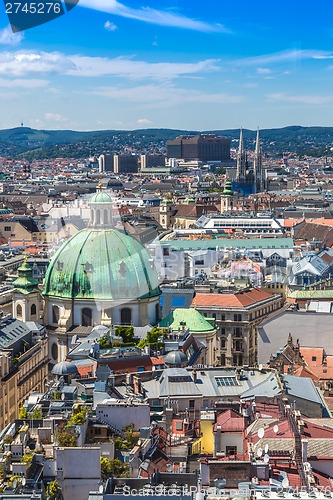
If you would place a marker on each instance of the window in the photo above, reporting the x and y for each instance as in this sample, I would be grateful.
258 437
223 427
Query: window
223 343
199 262
126 316
223 331
33 310
237 345
225 381
8 228
222 317
55 314
223 360
179 426
238 331
314 358
237 317
19 311
86 317
191 403
166 251
231 450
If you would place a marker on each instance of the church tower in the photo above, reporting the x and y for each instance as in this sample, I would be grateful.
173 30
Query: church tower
166 213
241 160
227 198
26 296
257 166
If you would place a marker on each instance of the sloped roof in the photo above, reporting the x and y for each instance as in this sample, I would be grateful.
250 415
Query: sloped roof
195 321
241 299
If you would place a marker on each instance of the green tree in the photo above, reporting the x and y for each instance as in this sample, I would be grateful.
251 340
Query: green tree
23 413
53 490
79 417
114 467
126 333
27 458
36 414
67 437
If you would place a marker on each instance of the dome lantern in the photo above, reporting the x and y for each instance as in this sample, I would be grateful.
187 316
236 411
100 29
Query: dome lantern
100 209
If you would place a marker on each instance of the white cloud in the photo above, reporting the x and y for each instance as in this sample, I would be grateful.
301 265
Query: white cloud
110 26
7 37
22 63
301 99
152 16
32 83
165 95
128 67
285 56
144 121
56 117
263 71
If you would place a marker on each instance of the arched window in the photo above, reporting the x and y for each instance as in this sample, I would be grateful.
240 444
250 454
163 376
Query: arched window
86 317
106 216
33 310
98 217
55 314
126 316
19 311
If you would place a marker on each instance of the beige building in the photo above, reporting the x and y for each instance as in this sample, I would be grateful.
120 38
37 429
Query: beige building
21 373
237 317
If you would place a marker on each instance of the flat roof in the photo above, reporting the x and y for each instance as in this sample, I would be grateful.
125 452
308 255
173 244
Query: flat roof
312 330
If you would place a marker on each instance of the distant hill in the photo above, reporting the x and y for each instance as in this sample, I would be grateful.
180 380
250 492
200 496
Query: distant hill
25 142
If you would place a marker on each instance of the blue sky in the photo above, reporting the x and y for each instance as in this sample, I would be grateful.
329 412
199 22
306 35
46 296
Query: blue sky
185 64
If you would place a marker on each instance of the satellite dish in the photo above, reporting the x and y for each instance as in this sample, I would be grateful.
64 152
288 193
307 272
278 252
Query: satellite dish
101 489
266 448
285 482
275 428
261 433
259 452
266 458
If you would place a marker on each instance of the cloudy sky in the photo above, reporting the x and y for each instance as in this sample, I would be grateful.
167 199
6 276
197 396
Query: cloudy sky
186 64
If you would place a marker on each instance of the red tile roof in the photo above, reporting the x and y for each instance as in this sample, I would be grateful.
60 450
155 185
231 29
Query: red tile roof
241 299
230 421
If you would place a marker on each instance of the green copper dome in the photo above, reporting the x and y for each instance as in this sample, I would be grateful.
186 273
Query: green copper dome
103 264
25 283
100 197
228 189
191 319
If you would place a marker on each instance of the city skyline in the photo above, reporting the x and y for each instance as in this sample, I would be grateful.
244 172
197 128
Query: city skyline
128 65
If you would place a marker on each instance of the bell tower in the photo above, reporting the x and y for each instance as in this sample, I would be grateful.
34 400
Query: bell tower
26 296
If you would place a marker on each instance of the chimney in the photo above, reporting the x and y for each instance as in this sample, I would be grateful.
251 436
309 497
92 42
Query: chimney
304 450
194 375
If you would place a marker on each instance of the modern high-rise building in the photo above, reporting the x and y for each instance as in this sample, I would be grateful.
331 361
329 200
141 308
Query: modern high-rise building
202 147
150 161
125 164
105 163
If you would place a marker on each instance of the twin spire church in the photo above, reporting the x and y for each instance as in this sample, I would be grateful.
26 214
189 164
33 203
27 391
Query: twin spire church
250 178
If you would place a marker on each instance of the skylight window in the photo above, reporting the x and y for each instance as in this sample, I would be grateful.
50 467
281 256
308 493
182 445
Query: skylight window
225 381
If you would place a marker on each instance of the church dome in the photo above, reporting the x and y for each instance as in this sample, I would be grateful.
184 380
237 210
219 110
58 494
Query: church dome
175 358
101 263
227 191
100 197
64 368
